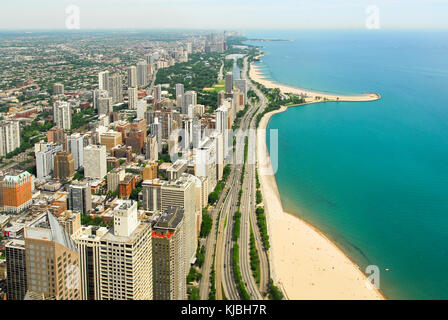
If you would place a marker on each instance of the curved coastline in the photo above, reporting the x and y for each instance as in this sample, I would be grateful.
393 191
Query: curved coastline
305 262
310 95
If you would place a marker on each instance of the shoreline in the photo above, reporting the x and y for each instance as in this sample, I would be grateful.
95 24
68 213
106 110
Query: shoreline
319 269
309 95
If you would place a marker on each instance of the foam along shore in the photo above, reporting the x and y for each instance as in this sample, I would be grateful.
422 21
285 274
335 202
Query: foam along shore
304 262
309 95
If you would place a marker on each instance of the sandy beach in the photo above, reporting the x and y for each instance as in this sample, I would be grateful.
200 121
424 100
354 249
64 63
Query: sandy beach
304 262
310 96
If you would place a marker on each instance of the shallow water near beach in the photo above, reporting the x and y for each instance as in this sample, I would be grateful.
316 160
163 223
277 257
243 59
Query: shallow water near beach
372 176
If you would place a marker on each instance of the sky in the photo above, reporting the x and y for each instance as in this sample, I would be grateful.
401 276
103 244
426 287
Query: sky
225 14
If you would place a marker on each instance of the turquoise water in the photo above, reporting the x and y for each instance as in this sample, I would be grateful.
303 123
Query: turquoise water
373 176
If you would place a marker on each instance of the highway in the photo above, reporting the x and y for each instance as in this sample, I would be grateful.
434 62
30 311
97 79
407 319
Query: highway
222 241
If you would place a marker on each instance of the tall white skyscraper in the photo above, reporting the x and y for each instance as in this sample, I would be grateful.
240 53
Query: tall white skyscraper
62 115
132 98
222 122
95 165
142 73
75 145
141 109
115 88
116 264
9 136
45 153
179 89
103 80
181 193
191 98
132 77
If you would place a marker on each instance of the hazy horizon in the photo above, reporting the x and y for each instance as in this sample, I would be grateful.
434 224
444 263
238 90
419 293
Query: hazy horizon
230 14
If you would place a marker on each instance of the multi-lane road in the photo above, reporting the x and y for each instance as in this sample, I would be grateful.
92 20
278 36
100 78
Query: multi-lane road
220 244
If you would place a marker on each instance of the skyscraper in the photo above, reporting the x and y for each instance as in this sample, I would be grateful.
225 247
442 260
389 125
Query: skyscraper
117 264
179 90
79 197
103 80
52 260
115 88
16 192
62 115
64 165
132 77
168 256
95 165
16 283
45 153
181 193
229 82
141 109
9 137
152 150
97 94
142 73
152 194
241 84
58 88
76 144
104 105
132 98
190 99
157 93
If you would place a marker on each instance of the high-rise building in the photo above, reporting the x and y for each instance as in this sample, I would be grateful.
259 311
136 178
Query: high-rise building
115 88
64 165
222 126
95 165
126 186
9 137
229 82
150 171
79 197
191 98
97 94
241 85
58 136
181 193
132 77
104 105
156 131
152 150
111 139
62 115
58 88
180 93
114 177
141 109
136 140
132 98
16 284
103 80
52 260
168 256
117 265
142 73
157 93
205 162
152 195
45 153
16 191
76 144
